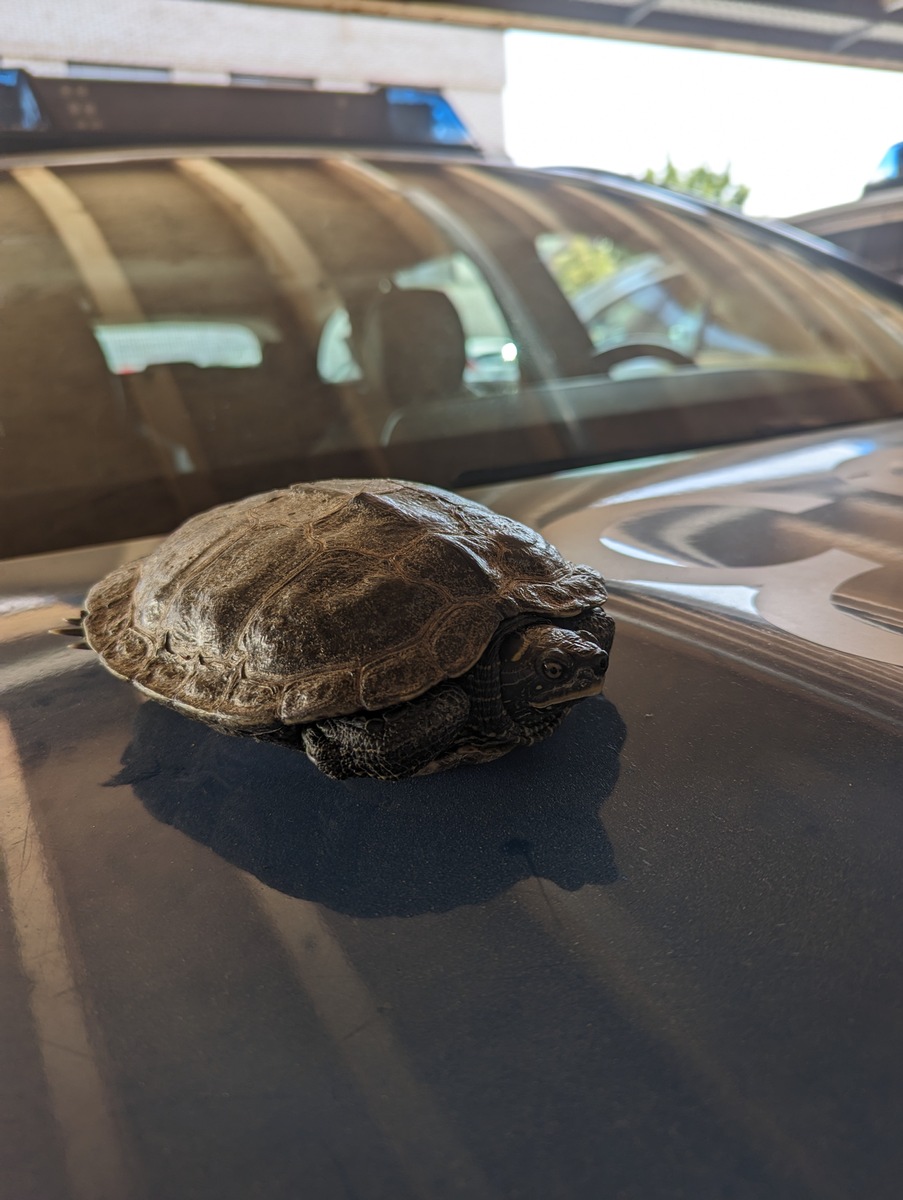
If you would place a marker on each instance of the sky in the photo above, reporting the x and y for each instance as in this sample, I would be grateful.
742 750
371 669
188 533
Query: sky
800 135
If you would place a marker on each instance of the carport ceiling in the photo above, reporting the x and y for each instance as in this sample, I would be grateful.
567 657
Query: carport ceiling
856 32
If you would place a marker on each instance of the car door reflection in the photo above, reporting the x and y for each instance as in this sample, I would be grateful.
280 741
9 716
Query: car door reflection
373 849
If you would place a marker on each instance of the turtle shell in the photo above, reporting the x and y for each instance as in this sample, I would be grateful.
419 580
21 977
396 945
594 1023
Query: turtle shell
324 599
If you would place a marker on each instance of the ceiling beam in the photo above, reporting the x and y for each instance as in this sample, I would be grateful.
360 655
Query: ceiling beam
854 33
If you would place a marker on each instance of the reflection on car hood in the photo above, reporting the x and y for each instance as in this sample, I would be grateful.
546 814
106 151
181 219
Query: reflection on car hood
788 553
656 955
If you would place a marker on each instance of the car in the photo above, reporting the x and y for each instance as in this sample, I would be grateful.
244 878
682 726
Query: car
871 227
656 955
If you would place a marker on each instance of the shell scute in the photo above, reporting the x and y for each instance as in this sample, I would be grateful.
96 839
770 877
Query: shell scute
254 701
329 621
527 561
212 606
200 542
107 607
203 684
367 520
129 652
394 679
458 633
453 565
320 696
165 674
418 506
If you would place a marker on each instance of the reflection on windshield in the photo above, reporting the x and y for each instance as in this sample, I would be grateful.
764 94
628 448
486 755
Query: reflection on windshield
490 355
452 323
623 296
134 347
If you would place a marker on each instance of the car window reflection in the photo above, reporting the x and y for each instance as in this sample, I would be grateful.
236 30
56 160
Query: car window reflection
234 324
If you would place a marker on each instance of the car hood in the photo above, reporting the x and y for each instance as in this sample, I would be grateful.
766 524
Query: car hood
656 955
787 553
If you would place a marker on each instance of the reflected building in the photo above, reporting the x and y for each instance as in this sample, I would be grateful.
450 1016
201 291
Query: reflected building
209 42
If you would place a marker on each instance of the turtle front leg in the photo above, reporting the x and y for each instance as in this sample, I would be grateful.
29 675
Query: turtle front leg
399 742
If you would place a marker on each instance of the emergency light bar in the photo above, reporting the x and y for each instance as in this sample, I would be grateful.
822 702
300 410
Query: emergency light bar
52 113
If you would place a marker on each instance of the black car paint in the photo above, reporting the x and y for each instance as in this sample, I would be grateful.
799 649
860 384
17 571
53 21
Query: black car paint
656 956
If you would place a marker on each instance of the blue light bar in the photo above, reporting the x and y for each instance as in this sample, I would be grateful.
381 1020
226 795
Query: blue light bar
38 112
889 169
418 114
19 111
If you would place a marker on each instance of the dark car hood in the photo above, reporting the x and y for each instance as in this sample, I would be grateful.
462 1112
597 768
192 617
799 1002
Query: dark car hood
788 553
655 956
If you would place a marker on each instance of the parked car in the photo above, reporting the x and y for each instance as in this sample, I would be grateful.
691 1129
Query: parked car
657 955
872 226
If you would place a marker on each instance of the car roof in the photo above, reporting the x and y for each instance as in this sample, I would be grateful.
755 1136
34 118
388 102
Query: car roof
874 208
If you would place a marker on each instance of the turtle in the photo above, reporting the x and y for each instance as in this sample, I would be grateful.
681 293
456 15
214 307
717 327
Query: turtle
385 628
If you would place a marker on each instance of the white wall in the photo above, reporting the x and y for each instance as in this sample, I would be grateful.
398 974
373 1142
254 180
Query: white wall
201 41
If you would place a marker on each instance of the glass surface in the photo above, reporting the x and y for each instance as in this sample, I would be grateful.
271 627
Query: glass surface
132 347
178 333
881 246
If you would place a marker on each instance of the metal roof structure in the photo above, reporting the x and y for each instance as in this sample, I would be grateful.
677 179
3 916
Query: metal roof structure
865 33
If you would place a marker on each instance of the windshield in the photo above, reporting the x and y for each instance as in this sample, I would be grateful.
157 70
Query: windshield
181 332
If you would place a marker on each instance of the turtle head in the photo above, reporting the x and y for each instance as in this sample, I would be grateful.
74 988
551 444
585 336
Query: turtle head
544 666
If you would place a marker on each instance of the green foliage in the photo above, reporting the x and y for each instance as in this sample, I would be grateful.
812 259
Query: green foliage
715 186
576 260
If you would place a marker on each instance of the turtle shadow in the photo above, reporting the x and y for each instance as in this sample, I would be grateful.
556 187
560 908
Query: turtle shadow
373 849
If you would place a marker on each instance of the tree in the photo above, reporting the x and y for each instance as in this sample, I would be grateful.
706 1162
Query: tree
706 184
576 261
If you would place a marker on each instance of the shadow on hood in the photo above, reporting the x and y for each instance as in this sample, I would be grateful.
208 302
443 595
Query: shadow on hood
374 849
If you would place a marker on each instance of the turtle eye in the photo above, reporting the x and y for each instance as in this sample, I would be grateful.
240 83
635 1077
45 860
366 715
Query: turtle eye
553 668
